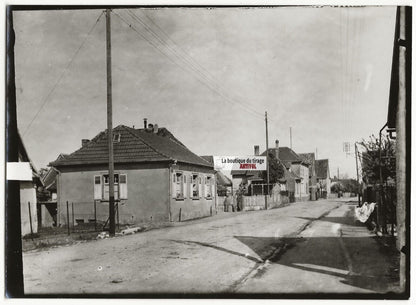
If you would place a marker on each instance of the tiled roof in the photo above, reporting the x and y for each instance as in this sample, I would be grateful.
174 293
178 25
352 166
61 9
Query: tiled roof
308 157
222 179
135 146
291 175
209 159
321 167
286 155
24 157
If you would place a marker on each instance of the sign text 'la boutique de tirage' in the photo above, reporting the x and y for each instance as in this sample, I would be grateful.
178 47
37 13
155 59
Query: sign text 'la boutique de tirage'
227 163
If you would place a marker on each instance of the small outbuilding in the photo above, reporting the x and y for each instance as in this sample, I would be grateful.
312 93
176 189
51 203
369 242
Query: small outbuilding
28 198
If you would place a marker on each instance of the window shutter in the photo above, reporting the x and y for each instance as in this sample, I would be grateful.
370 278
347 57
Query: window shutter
200 187
185 186
122 186
173 185
98 191
206 187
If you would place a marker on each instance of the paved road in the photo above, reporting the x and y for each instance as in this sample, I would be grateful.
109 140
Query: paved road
305 247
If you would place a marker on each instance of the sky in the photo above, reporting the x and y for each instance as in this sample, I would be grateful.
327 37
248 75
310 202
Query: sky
207 75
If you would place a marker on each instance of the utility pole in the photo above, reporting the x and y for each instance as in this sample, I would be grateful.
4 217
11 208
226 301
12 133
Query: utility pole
13 253
338 174
358 180
290 131
267 159
316 154
110 127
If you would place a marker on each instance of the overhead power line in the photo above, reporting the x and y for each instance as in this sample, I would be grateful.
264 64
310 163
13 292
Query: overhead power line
181 59
58 80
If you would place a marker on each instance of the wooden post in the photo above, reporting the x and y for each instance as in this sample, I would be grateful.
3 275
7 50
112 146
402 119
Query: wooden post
30 220
67 216
118 218
403 119
110 126
14 285
73 220
95 215
267 158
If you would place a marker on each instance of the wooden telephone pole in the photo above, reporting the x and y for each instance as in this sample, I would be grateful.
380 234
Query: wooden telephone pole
358 177
267 159
110 127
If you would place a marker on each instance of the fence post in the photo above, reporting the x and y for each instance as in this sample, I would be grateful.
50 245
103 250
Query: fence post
67 216
118 219
95 215
73 220
30 220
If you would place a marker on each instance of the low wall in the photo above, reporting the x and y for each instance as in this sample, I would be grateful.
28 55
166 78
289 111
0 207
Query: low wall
220 204
258 202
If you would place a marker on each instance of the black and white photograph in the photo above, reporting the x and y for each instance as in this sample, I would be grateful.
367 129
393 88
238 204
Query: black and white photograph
195 151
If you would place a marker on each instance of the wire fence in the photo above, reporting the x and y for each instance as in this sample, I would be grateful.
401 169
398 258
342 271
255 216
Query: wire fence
78 217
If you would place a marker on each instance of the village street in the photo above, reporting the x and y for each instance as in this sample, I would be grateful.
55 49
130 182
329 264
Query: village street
302 248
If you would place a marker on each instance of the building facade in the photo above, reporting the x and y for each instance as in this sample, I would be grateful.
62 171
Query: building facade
156 178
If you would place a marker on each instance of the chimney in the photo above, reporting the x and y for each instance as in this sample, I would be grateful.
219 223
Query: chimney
256 150
277 149
155 128
145 123
84 142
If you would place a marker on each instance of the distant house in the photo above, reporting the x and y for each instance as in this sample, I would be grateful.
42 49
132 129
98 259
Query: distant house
310 158
28 200
296 174
157 178
298 167
322 174
48 208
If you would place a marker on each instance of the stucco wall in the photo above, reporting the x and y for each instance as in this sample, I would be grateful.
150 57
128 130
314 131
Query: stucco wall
28 194
148 194
303 172
187 207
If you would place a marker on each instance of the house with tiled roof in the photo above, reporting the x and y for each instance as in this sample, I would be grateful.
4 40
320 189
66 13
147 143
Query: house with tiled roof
295 180
157 178
313 188
323 177
298 167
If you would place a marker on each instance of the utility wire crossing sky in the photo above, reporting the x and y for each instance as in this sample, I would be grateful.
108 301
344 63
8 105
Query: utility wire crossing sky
208 75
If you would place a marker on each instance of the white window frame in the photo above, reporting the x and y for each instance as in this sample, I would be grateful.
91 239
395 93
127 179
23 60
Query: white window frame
104 182
178 182
209 187
195 180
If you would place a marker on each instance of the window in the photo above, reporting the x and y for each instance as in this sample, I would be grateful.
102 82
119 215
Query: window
101 187
106 179
116 137
195 186
208 186
178 184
